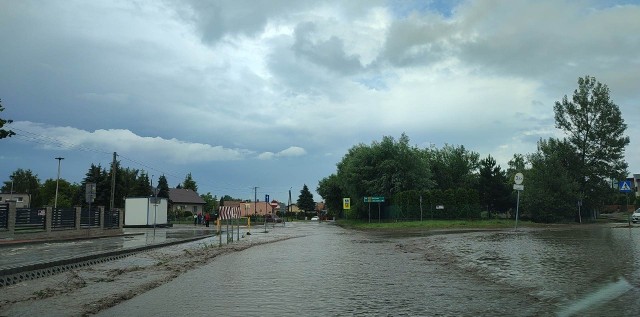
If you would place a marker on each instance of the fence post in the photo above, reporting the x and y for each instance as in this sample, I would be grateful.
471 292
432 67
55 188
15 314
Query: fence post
48 214
101 209
11 217
120 218
78 217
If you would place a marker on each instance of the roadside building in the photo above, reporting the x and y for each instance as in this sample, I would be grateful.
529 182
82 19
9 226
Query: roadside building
22 200
181 199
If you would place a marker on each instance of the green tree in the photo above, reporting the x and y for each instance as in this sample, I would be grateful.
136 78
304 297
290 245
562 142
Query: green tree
189 183
596 131
163 187
305 200
453 167
143 186
331 191
24 181
492 186
382 169
100 177
211 202
66 193
4 133
551 185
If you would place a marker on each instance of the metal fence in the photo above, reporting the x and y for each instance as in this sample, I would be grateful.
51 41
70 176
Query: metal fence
4 216
62 219
112 219
90 218
30 219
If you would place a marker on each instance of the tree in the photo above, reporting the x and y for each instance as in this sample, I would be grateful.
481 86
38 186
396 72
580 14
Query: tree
595 130
551 190
3 132
453 167
305 200
66 193
163 187
492 185
382 169
189 183
143 186
211 202
24 181
331 191
100 177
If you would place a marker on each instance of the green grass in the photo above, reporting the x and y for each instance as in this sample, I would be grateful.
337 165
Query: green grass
433 224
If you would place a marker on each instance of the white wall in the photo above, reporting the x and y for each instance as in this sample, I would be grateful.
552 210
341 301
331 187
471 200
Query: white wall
141 212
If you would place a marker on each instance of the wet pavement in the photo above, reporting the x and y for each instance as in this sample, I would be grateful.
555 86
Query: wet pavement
329 271
25 254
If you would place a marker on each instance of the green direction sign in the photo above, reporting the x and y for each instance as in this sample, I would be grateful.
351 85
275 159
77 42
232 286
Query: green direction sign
374 199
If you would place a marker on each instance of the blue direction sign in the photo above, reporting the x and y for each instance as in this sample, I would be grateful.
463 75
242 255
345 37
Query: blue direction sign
625 186
374 199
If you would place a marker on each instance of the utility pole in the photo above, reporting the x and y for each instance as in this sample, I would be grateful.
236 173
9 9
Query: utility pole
55 201
113 182
255 200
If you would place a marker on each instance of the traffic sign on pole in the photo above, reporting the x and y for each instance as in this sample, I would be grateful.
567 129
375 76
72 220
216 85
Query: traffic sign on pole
625 186
374 199
346 203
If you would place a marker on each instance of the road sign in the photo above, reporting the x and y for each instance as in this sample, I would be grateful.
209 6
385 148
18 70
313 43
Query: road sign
90 192
518 187
346 203
374 199
518 178
625 186
266 198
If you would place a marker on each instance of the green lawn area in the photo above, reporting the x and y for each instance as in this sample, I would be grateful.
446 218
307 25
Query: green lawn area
434 224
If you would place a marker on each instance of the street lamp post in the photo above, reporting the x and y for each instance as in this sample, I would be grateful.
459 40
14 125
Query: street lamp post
55 201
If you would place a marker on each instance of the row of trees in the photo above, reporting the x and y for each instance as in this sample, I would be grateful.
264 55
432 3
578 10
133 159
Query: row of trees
128 183
560 175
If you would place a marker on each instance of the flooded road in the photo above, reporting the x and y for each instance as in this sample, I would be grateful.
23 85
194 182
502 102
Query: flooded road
26 254
591 270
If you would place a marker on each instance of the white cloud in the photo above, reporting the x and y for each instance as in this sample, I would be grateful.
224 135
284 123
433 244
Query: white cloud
126 142
291 151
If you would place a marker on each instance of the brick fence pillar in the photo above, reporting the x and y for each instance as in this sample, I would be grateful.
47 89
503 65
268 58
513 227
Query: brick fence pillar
11 217
101 209
78 217
120 218
48 214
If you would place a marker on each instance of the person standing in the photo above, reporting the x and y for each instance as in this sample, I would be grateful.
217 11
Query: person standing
207 218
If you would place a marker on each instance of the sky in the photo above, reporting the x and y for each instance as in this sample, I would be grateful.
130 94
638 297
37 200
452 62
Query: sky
272 94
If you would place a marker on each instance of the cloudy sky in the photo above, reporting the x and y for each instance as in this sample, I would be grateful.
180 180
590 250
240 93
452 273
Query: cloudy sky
273 93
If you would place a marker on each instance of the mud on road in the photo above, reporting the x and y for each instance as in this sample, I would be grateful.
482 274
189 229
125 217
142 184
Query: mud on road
88 290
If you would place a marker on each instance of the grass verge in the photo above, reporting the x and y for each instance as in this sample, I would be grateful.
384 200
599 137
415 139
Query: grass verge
434 224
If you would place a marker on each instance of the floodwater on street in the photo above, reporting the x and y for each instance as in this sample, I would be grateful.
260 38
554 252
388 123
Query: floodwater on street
24 254
330 271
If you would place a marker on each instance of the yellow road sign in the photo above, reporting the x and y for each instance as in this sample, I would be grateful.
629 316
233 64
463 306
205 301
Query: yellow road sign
346 203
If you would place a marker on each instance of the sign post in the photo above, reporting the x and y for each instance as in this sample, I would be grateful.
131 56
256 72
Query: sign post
625 187
376 199
518 179
346 205
90 195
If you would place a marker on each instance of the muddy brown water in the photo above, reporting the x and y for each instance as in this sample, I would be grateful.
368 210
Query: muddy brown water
584 271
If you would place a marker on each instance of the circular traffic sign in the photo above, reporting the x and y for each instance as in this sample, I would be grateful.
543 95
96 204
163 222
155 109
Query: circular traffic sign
518 178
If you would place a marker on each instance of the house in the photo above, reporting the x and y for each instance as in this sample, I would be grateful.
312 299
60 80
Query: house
253 209
186 199
22 200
